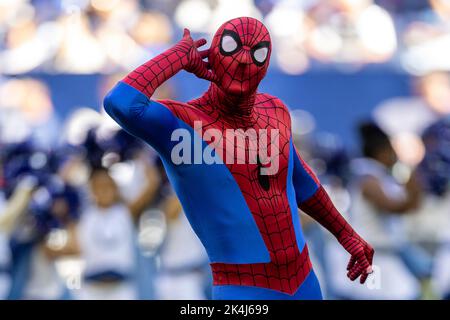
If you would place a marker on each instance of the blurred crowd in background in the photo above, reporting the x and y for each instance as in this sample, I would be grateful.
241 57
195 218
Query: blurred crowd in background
86 210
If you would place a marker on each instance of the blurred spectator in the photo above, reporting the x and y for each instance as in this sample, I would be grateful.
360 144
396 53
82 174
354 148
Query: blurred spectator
427 40
351 31
8 219
441 273
434 168
105 241
183 261
429 105
183 268
105 237
417 113
378 201
27 112
37 203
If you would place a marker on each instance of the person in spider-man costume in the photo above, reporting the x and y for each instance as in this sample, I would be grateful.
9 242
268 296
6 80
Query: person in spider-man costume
247 222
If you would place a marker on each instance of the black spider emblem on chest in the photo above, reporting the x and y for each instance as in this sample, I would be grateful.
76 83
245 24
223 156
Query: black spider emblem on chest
263 179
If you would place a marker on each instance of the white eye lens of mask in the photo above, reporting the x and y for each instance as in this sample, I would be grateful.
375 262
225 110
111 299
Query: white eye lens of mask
228 44
261 54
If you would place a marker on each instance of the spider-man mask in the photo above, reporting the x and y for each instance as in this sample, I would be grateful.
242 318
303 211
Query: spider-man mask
239 55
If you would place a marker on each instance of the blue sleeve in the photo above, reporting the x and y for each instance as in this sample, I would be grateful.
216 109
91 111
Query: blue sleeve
141 117
305 181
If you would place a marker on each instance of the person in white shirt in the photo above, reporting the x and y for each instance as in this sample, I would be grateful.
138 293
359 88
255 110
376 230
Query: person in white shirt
378 203
105 238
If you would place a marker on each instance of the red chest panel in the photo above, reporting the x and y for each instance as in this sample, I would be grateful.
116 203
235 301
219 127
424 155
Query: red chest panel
269 206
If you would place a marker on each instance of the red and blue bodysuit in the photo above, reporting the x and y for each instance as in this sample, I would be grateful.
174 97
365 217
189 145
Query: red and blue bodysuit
248 222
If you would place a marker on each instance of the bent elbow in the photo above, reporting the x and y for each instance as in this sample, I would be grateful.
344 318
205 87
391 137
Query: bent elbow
124 103
119 102
112 104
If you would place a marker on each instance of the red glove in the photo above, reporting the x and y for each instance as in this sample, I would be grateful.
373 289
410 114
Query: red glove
183 55
320 207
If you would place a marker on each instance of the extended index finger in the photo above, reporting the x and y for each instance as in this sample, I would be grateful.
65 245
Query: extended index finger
186 33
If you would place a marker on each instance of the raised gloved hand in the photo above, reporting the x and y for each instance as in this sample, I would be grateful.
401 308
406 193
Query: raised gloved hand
184 55
193 61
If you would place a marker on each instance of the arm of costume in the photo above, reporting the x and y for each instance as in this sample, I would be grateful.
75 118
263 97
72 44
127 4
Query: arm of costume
130 104
314 201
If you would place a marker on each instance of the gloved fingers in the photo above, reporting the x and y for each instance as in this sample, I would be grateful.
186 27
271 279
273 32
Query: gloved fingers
204 53
370 253
355 272
205 73
351 263
359 270
186 33
362 259
368 256
355 269
199 42
210 76
363 278
366 272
